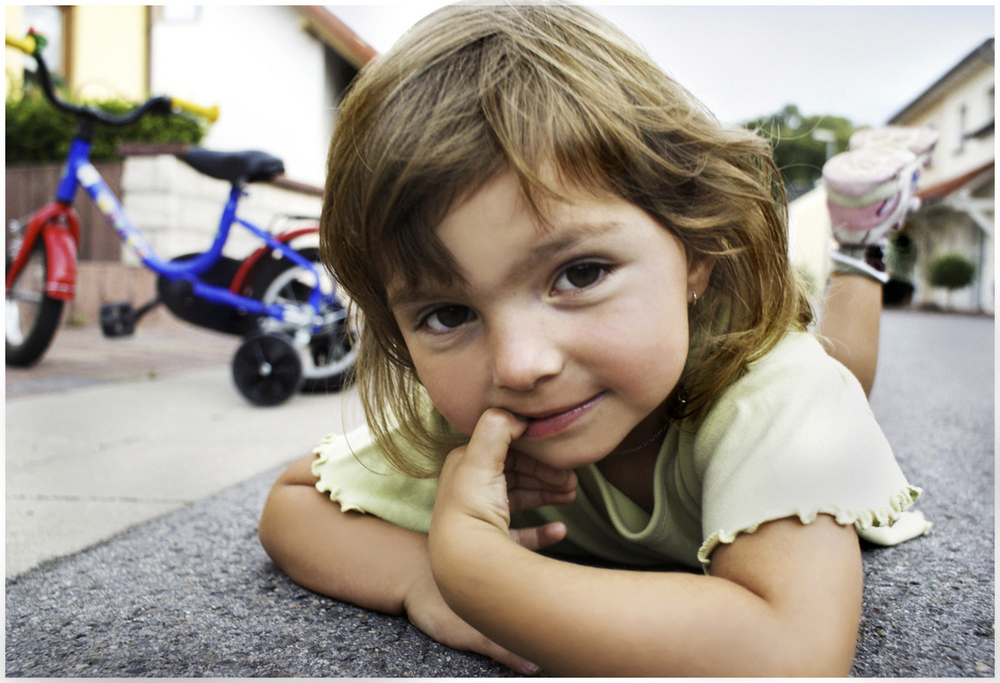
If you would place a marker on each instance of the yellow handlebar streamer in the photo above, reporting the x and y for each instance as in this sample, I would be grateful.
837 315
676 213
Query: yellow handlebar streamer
209 113
25 45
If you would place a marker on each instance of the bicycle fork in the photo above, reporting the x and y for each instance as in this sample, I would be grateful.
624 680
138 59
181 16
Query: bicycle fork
59 227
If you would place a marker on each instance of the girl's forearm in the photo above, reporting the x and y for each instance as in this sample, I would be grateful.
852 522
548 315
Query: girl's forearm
579 620
849 327
352 557
574 620
363 560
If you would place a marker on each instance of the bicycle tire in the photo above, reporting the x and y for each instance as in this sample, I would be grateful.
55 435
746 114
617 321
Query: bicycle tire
266 368
31 316
328 360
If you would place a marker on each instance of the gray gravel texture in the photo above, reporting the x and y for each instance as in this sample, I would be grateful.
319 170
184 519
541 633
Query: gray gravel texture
193 594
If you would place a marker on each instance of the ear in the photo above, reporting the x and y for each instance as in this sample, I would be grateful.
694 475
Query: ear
699 271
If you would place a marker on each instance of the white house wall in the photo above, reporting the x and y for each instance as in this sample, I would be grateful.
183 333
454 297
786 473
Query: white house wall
809 240
263 70
954 157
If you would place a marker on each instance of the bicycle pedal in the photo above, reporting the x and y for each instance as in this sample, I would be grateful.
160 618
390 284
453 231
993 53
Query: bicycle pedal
118 320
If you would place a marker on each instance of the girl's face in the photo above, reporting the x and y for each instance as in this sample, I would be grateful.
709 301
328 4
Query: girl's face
580 327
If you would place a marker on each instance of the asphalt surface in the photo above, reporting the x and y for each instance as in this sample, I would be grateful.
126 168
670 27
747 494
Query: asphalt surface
191 593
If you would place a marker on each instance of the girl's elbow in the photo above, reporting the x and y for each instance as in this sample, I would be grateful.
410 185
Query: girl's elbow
816 653
269 527
280 527
819 668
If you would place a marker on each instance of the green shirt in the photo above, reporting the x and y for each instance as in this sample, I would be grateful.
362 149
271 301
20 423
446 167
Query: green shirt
793 437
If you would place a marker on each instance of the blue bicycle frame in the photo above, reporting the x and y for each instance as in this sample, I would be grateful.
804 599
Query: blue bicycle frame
80 172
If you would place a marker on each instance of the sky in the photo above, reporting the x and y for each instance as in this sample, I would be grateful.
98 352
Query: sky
862 62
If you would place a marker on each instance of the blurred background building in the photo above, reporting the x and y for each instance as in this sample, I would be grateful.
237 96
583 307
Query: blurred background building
957 190
276 72
956 220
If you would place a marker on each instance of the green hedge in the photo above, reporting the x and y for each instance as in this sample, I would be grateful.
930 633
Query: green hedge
37 131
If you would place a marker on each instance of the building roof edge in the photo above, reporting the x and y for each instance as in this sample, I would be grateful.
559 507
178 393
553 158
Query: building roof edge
984 53
338 35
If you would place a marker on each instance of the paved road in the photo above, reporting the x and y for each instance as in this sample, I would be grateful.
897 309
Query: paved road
192 594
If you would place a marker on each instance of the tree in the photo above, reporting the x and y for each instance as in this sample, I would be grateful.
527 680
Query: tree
802 144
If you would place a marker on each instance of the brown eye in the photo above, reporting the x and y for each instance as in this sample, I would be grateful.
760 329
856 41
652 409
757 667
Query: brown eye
448 318
580 276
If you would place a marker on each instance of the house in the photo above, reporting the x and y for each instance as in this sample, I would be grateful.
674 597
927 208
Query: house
957 215
956 190
277 74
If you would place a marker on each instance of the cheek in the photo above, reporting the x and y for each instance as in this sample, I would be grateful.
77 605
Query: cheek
643 349
453 390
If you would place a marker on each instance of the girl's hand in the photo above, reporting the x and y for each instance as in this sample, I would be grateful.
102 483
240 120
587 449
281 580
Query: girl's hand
480 484
427 610
531 484
484 481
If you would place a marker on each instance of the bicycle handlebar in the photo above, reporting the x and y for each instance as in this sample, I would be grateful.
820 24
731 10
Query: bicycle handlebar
210 114
155 105
26 45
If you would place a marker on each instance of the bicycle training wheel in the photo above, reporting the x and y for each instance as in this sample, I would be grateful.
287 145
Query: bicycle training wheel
266 368
32 316
329 357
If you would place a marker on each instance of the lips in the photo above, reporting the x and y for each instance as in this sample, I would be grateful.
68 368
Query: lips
543 425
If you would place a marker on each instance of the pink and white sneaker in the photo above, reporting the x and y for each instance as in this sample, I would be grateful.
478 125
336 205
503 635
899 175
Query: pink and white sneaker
869 191
920 141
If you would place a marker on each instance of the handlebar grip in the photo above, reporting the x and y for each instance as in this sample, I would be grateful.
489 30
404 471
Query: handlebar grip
209 113
25 45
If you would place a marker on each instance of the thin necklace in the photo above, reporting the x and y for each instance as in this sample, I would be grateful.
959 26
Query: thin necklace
644 444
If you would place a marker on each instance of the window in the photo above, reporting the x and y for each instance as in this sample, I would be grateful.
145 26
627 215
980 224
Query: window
933 125
963 115
174 13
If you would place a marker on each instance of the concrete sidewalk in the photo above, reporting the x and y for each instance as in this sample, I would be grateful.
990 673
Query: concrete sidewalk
104 434
189 592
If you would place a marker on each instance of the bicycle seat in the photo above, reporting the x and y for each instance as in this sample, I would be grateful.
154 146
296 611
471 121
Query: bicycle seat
236 167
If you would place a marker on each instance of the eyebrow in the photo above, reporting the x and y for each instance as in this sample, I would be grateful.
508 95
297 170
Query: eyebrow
569 236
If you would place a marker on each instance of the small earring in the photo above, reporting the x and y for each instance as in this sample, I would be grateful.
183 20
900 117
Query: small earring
694 297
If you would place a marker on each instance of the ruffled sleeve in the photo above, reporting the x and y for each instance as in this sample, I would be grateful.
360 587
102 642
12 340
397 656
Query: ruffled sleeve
350 470
795 437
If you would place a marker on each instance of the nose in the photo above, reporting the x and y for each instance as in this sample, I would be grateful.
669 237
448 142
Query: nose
525 352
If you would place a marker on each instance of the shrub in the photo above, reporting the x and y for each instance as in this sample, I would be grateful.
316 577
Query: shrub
37 131
951 271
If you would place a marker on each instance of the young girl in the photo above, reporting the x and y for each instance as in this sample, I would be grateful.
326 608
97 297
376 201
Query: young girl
581 333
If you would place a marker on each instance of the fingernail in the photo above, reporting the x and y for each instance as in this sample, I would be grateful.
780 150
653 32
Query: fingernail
531 669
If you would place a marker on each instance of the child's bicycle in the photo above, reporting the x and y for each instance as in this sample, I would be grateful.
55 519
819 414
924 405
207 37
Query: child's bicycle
279 298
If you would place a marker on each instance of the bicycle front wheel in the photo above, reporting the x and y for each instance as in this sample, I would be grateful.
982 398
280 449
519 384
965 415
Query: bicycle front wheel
330 355
32 316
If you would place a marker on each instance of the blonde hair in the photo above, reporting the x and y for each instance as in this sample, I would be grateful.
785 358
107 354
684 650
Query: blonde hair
472 91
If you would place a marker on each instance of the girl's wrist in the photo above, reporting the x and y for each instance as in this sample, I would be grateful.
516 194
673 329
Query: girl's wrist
457 543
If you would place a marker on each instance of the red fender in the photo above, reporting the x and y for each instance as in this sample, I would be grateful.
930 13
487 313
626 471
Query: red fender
60 247
59 226
242 278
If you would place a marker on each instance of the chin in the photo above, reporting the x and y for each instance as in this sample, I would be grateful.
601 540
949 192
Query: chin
563 456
